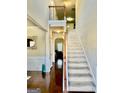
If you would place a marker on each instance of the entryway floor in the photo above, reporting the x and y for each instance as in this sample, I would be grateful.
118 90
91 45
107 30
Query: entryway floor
47 82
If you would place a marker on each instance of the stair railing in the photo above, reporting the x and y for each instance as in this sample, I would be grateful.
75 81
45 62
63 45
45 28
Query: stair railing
67 61
65 67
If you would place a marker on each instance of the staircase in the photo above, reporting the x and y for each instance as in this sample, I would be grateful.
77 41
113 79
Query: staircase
79 77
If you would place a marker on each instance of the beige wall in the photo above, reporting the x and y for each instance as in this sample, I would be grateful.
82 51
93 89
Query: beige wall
38 10
29 23
86 25
36 57
70 26
40 41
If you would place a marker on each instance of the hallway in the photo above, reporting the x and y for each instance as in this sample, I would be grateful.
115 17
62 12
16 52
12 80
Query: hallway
66 28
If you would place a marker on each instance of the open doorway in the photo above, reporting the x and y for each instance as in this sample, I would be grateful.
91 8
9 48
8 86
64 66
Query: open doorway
59 49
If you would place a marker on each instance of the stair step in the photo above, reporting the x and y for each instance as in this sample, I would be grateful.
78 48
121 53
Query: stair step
78 71
74 45
72 39
85 62
73 42
78 56
77 59
80 75
74 50
78 62
80 79
81 83
81 88
75 54
79 53
77 65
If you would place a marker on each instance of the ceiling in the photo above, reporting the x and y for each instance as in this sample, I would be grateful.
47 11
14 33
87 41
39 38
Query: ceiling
56 29
70 8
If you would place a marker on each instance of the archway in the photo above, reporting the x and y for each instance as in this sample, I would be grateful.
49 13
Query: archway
59 49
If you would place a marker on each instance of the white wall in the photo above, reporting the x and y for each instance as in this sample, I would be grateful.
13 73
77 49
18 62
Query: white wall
86 25
37 56
40 41
29 23
38 10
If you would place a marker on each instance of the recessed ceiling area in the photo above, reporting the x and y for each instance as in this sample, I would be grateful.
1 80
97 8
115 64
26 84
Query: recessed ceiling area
70 9
57 29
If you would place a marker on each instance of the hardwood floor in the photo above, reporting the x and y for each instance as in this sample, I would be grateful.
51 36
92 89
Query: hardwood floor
46 82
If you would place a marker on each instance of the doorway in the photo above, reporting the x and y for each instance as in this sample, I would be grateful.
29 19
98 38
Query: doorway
59 49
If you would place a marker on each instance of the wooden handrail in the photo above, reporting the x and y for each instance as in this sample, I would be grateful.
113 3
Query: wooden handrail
57 6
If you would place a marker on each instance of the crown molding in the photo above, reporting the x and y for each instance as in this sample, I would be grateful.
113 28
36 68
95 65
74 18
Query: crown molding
36 23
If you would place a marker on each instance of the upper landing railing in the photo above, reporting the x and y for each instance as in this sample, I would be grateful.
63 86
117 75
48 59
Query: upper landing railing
57 13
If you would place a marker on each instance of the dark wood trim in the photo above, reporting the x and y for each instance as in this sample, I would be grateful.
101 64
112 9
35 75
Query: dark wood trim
57 6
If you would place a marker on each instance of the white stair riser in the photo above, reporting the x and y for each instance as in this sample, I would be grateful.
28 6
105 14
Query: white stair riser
79 71
76 59
81 79
82 88
77 65
75 55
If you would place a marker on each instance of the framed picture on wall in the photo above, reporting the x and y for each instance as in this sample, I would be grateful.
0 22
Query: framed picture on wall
31 42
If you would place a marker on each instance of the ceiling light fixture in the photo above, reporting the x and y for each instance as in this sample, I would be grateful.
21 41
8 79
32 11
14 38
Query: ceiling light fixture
70 19
58 31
